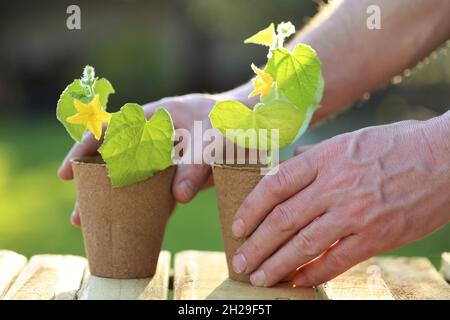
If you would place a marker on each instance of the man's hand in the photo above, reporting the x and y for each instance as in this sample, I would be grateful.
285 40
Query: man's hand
189 179
345 200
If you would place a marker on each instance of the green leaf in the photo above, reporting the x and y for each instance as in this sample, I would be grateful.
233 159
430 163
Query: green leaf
275 114
65 108
264 37
79 96
104 88
319 93
134 148
297 74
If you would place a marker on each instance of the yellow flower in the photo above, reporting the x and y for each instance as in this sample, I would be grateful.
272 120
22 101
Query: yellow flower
90 115
262 83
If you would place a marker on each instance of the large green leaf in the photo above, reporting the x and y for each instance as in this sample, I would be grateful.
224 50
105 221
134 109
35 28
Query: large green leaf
134 148
231 116
297 74
65 108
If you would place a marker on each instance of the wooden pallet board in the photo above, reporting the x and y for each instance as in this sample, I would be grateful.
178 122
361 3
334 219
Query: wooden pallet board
11 264
413 278
48 277
155 288
387 278
445 266
203 275
362 282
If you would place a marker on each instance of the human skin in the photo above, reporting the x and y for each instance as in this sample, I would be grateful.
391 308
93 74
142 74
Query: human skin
370 196
361 193
345 200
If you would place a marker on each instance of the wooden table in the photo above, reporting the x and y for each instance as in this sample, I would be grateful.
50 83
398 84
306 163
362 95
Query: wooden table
203 275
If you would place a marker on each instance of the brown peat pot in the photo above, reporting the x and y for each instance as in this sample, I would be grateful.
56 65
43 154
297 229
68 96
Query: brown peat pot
233 184
123 227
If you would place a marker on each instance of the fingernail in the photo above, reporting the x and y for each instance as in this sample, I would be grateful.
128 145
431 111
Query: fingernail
75 220
238 228
239 263
258 278
187 188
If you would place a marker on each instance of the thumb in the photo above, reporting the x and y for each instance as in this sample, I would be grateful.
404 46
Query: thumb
189 180
75 218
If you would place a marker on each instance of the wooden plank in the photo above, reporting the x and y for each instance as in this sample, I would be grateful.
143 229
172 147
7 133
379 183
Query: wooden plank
11 264
48 277
413 278
445 266
155 288
388 278
203 275
362 282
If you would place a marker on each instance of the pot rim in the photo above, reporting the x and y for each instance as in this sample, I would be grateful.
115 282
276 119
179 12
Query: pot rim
239 167
91 161
88 161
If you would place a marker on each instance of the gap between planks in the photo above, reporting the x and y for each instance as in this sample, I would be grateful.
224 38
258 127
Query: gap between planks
445 266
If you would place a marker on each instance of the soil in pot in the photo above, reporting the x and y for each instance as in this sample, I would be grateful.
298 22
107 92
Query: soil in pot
123 228
233 184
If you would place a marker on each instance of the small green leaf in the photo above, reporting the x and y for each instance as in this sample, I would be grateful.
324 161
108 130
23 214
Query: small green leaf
264 37
319 93
134 148
65 108
103 88
79 96
275 114
297 74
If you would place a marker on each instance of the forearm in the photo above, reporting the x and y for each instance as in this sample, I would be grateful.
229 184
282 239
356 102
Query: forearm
356 60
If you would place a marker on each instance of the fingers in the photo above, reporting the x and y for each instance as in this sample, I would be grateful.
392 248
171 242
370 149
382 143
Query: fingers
293 175
284 221
338 259
75 218
189 180
306 245
88 147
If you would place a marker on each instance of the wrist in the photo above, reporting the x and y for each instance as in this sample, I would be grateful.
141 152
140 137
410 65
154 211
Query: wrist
437 131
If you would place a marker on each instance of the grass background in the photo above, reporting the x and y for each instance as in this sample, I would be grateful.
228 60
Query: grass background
35 205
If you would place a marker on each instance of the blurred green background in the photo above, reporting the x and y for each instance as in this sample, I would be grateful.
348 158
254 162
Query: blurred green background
148 50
